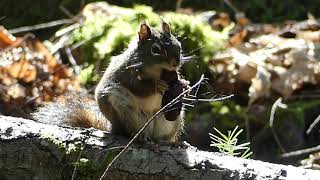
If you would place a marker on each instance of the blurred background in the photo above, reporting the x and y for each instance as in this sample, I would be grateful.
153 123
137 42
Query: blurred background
264 52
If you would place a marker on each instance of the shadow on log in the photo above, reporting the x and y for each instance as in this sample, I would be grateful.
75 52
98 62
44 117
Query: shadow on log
30 150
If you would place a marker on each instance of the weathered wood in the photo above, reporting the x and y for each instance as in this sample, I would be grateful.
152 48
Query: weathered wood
30 150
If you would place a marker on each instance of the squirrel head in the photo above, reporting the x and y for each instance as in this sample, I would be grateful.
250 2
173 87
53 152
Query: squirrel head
159 47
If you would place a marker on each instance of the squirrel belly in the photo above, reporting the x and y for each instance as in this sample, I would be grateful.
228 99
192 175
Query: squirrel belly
128 113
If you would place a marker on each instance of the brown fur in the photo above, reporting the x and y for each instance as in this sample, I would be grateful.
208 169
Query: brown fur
129 93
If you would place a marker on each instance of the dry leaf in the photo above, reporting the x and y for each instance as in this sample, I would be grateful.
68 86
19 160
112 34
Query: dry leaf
220 21
269 63
247 72
238 38
261 84
29 71
6 39
303 70
309 35
23 70
312 162
16 91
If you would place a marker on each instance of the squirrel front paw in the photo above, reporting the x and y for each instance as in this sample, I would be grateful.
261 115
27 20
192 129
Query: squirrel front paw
161 86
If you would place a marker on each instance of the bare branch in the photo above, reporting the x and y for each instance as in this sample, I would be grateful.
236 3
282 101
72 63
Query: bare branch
314 123
276 104
194 50
211 99
236 11
301 152
66 11
71 59
41 26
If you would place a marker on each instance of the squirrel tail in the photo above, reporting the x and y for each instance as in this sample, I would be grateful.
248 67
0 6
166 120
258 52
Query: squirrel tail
73 110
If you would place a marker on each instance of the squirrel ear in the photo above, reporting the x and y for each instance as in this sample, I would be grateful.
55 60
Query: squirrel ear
165 27
144 32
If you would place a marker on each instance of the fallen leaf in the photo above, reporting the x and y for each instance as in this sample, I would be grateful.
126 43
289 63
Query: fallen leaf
23 70
260 86
16 91
303 70
6 39
238 38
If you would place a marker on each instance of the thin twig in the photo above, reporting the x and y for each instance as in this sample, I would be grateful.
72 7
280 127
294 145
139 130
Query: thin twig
314 123
197 91
236 11
194 50
41 26
178 5
271 120
211 99
66 11
171 109
147 123
76 164
73 62
68 29
273 110
189 105
70 57
114 148
61 43
80 43
187 59
301 152
88 134
247 124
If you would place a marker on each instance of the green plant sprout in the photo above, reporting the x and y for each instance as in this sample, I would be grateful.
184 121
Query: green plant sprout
227 144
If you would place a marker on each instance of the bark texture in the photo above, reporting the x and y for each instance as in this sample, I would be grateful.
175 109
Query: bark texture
30 150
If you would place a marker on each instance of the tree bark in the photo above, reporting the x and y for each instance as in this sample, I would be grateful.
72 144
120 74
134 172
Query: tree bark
31 150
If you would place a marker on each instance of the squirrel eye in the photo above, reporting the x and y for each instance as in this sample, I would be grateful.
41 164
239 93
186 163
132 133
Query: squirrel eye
155 49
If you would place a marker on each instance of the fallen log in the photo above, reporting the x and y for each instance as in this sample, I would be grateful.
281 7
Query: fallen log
31 150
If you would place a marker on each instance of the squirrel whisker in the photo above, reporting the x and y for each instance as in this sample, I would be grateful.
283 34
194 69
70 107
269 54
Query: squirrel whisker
194 50
139 64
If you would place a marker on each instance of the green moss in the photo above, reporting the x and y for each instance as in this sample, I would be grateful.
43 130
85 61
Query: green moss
39 11
86 76
87 167
304 104
68 148
296 110
102 37
110 156
197 39
295 120
290 126
52 140
229 113
198 34
75 147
